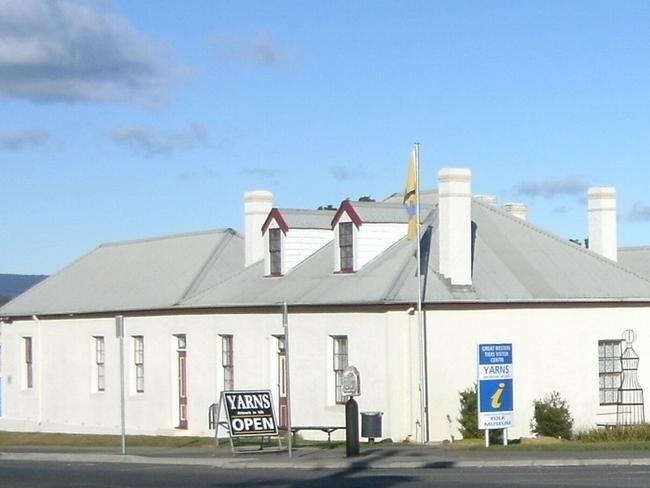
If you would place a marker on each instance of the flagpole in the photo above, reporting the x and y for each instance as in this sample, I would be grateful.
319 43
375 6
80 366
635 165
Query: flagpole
424 420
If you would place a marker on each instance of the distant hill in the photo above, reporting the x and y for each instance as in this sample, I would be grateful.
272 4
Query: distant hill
12 285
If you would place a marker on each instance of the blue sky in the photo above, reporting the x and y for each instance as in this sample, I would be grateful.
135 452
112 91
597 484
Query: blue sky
124 120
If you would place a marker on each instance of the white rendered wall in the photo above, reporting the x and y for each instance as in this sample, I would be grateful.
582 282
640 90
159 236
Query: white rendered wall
299 244
63 399
553 349
373 239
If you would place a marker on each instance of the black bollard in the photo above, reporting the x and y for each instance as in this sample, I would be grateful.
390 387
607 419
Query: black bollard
351 428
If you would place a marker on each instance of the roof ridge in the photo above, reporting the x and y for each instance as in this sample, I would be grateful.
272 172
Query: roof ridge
643 247
557 238
169 236
205 268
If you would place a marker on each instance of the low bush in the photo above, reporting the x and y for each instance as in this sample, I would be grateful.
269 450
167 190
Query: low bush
552 417
468 419
639 433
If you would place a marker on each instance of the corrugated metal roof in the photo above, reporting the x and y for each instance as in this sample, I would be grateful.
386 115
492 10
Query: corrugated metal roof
636 258
380 212
307 219
136 275
514 260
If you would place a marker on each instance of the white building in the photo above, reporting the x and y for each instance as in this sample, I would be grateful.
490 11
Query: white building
202 312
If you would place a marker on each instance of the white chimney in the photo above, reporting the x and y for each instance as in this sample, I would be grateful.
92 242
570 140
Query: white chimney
516 209
257 205
455 221
487 199
602 221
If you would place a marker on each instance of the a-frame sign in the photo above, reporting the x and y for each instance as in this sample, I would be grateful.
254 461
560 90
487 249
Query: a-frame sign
249 413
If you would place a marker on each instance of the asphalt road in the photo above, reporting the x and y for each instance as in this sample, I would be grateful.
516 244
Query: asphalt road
89 475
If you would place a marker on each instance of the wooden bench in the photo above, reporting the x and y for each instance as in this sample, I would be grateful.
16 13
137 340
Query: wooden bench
328 429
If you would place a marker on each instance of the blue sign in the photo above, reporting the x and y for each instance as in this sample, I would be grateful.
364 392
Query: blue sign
495 386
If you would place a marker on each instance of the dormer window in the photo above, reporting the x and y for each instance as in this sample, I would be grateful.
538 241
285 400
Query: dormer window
275 252
346 247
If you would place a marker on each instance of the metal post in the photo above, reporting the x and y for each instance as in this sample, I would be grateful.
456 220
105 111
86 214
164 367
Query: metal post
487 437
351 428
285 325
119 330
424 420
505 437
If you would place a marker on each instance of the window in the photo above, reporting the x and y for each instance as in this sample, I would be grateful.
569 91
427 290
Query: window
609 370
28 366
227 363
340 363
275 252
345 247
138 362
100 354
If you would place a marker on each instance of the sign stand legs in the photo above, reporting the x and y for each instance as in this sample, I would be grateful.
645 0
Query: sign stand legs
487 437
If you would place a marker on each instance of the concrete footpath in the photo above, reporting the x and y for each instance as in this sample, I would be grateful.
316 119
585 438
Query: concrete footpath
372 457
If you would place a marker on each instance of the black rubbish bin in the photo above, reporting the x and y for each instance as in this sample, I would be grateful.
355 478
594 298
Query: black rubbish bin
371 425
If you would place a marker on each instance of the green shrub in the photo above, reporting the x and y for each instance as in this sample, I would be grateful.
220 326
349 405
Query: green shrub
636 433
552 417
468 419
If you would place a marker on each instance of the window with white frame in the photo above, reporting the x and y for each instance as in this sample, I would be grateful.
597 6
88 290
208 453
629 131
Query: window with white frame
138 362
275 252
346 247
100 359
340 356
609 370
227 362
28 365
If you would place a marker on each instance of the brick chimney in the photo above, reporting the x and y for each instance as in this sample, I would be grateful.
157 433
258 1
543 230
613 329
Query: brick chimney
455 218
257 205
602 221
516 209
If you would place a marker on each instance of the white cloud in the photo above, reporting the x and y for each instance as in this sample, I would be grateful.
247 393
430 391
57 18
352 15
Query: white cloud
258 49
262 173
20 141
571 185
149 142
77 51
639 212
344 173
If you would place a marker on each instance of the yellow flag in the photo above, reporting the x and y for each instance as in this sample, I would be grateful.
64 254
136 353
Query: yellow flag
410 198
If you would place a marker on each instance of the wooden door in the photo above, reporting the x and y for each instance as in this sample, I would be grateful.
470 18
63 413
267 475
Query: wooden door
282 389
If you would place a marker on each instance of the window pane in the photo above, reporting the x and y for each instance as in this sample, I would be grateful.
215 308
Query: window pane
274 240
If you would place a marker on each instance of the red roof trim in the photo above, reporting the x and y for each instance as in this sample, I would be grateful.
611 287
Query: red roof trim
347 207
275 214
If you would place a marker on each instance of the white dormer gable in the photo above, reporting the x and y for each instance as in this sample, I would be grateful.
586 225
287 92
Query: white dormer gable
372 227
291 236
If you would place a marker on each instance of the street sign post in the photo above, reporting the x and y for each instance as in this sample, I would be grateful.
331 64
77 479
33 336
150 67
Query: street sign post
495 388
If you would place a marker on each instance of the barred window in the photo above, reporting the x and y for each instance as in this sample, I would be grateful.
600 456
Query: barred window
340 356
28 366
100 358
346 248
609 370
227 362
138 361
275 251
